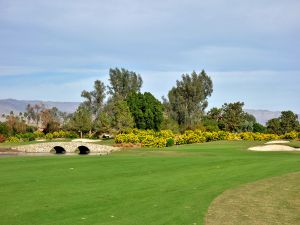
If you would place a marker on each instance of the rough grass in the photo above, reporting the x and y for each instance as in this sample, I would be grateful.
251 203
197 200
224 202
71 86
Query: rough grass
270 201
294 144
142 186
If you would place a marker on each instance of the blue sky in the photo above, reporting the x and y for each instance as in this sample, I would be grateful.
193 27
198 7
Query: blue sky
52 50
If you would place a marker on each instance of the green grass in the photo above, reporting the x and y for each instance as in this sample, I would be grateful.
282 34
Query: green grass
107 142
133 187
295 144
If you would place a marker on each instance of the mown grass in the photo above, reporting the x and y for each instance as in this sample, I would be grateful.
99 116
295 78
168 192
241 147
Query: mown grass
142 186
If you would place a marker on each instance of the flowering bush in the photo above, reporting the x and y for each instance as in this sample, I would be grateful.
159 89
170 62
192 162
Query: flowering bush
38 134
292 135
49 136
64 134
13 140
150 138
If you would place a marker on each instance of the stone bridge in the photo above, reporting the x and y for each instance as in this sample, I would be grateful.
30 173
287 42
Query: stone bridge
67 147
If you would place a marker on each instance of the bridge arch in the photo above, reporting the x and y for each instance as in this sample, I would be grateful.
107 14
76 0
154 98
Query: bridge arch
58 150
83 150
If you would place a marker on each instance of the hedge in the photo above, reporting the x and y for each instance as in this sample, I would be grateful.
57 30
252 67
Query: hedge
150 138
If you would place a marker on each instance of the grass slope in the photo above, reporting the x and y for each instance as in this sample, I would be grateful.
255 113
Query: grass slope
269 201
171 186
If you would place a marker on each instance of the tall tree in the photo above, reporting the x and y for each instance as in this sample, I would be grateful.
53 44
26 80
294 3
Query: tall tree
124 82
189 98
94 99
33 113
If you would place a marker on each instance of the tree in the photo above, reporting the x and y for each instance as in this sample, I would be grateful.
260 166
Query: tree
231 117
210 124
259 128
189 98
102 123
248 123
287 122
120 114
3 128
274 126
146 110
82 120
33 113
15 124
50 119
94 99
124 82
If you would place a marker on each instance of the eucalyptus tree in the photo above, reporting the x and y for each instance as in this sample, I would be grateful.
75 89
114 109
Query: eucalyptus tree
94 100
123 82
188 99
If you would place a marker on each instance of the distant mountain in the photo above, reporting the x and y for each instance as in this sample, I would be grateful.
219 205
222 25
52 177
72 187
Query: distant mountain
262 116
8 105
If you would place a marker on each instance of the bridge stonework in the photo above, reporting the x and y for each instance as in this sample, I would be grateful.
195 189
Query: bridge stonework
70 147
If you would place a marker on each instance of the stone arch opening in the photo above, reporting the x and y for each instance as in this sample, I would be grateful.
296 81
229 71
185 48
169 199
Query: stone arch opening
59 150
83 150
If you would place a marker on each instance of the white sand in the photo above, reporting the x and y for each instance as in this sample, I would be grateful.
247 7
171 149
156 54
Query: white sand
85 140
270 148
277 142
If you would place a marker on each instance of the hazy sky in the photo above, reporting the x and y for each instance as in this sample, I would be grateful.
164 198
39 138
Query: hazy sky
52 50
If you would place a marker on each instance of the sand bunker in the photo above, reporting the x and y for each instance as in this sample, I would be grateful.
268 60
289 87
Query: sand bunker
277 142
85 140
267 148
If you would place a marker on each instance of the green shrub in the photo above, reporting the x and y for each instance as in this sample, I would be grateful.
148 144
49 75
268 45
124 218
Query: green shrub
71 134
38 134
49 136
26 136
170 142
13 140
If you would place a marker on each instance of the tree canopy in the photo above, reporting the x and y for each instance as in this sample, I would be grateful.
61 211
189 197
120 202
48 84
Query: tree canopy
146 110
81 120
94 99
188 99
123 82
287 122
231 117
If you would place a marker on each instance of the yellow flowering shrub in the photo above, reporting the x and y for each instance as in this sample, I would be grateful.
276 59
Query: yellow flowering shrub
150 138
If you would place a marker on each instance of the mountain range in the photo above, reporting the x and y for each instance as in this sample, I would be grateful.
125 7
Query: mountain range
8 105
